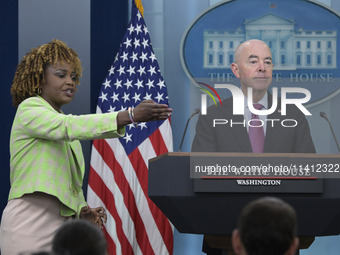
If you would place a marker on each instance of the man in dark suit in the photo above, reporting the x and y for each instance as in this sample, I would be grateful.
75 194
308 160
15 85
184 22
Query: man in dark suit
233 136
253 66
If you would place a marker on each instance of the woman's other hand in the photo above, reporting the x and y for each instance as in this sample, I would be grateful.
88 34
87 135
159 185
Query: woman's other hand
95 215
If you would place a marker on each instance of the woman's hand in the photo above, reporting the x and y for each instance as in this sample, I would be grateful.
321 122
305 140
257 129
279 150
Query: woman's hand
148 110
95 215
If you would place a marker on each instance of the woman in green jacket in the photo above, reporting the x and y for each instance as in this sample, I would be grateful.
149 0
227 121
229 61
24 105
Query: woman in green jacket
47 165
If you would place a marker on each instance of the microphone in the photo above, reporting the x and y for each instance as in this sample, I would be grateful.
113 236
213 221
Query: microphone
323 115
196 111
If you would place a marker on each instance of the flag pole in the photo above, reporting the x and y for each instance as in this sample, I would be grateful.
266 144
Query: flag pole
140 6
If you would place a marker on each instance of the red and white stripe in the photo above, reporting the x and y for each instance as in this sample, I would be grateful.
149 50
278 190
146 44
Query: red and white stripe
119 183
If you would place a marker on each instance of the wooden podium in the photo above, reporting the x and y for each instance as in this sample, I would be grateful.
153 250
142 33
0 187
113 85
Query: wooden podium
212 211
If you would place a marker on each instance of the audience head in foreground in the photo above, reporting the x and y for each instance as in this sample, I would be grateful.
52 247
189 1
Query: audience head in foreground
79 237
267 226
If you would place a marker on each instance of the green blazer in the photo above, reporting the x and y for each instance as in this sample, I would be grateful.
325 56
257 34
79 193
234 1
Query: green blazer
46 155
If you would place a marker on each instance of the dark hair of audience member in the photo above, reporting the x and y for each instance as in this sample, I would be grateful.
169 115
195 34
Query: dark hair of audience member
267 226
79 237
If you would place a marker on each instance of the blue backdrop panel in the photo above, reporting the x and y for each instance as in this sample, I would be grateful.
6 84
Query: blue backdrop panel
9 57
109 20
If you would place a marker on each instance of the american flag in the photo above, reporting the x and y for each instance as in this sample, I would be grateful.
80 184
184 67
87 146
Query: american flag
119 167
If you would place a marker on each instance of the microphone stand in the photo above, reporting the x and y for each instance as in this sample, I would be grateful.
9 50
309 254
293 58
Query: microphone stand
186 127
323 115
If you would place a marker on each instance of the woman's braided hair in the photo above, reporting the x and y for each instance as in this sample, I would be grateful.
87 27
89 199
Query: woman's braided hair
30 71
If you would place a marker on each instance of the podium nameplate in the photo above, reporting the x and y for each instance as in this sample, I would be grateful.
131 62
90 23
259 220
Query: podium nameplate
260 174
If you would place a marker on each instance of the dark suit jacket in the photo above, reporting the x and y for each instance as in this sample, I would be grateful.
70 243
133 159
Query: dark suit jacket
279 139
224 138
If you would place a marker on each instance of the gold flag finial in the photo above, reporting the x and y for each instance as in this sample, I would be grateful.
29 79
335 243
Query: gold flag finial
140 6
